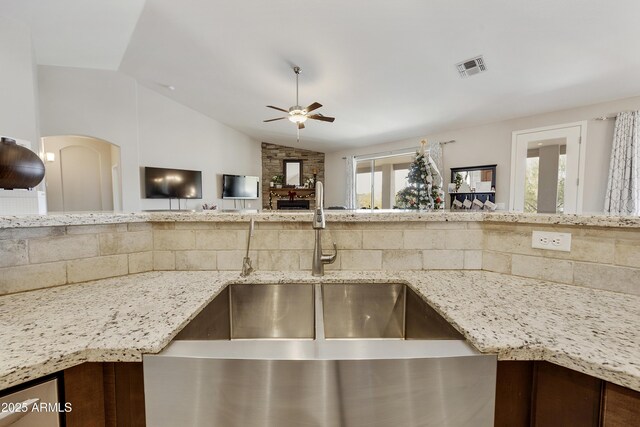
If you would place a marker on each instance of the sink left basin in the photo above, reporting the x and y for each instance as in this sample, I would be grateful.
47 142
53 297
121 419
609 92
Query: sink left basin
247 311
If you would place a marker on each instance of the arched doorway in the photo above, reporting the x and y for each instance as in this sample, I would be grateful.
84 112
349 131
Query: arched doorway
82 174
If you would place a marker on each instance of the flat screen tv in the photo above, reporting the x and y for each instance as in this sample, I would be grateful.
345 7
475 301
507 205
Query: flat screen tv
240 187
160 183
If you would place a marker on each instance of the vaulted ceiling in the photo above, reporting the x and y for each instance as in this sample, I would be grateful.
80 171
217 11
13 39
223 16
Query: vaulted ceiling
385 69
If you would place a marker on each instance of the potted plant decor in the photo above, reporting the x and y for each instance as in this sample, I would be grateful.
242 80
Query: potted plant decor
278 180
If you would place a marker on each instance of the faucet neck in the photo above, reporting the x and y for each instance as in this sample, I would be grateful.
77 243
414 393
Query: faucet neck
318 213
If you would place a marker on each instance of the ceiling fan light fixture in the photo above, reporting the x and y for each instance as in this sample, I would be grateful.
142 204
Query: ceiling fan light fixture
297 114
297 117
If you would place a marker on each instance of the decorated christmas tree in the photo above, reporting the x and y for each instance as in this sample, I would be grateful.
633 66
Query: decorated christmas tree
425 184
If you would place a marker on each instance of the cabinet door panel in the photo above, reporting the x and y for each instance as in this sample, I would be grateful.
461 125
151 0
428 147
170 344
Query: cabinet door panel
564 398
621 407
84 389
513 394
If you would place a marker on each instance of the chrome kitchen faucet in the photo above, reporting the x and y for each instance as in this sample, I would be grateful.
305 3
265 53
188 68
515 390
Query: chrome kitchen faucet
319 223
246 261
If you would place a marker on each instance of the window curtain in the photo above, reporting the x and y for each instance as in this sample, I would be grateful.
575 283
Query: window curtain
623 187
435 152
350 182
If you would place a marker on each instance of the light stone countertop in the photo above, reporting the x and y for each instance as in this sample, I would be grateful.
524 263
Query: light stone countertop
53 220
118 319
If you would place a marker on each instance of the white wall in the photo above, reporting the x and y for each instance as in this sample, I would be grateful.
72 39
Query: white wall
175 136
95 103
491 143
150 129
18 107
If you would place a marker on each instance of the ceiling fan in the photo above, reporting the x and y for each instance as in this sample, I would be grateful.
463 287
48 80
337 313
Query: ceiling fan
297 114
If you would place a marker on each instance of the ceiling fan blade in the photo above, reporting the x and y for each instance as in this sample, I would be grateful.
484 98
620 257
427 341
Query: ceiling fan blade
273 120
313 106
277 108
321 118
300 125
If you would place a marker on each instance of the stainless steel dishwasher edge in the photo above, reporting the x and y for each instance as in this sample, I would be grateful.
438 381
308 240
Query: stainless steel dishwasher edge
319 355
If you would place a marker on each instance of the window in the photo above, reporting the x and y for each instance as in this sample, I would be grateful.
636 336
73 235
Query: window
549 187
531 185
378 179
363 189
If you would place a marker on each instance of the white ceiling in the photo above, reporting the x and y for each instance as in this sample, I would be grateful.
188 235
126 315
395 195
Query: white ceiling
385 69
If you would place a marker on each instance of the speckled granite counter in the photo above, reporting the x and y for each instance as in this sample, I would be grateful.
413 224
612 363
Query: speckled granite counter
54 220
119 319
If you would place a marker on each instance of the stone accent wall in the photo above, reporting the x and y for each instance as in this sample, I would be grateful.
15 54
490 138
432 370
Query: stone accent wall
42 257
272 157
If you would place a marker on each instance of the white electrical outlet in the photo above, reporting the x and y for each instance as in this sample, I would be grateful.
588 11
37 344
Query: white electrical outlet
551 241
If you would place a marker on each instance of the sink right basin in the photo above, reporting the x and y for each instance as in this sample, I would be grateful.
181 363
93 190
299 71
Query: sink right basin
381 311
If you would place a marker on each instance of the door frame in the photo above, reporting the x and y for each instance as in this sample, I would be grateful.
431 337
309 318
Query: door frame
582 144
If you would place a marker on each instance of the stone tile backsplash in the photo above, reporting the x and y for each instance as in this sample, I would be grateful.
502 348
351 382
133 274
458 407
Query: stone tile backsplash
32 258
602 258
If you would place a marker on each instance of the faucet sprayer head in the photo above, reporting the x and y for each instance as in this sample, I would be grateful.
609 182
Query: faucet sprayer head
318 214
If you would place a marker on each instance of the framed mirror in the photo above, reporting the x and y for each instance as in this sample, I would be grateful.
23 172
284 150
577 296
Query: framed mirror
472 182
292 172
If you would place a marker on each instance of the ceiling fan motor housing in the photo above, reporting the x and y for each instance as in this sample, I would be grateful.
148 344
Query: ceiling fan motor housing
297 109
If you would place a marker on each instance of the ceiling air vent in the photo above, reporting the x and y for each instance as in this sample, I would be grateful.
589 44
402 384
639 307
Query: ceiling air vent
471 66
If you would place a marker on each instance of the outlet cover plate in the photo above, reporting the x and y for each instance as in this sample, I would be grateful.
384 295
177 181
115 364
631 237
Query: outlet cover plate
551 241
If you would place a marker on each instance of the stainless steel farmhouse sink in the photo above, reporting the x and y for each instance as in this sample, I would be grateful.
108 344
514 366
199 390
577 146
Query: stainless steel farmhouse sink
343 355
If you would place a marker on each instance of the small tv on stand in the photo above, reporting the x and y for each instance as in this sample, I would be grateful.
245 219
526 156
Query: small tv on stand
241 187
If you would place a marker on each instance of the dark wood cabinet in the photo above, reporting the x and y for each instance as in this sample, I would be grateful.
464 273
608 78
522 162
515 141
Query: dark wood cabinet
564 398
84 389
620 407
513 394
105 395
542 394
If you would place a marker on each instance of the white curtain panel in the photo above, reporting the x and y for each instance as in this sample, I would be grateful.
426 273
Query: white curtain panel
350 182
623 187
435 152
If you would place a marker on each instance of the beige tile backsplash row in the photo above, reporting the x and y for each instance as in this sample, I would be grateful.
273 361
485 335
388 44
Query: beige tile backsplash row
32 258
601 258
